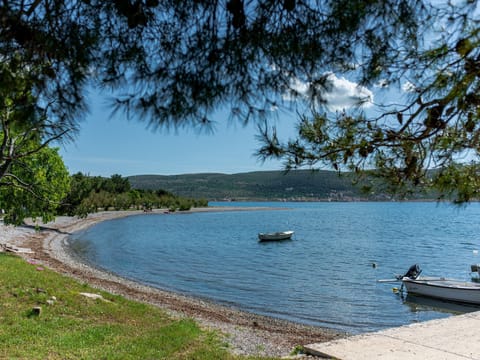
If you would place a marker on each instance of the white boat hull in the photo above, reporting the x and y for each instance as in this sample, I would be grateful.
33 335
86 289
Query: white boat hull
282 235
440 288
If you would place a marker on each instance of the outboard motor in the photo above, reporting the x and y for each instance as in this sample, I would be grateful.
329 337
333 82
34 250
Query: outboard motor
413 272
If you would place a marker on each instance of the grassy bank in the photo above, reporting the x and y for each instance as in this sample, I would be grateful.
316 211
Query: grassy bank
72 326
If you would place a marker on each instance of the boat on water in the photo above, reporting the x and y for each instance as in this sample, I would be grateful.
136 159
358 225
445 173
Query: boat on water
440 287
275 236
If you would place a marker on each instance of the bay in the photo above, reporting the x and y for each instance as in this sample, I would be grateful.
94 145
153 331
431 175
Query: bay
325 276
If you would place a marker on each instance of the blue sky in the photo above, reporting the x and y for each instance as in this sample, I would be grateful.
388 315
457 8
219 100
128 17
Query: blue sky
113 145
109 145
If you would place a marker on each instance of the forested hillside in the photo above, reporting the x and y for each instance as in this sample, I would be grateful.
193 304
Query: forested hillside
264 185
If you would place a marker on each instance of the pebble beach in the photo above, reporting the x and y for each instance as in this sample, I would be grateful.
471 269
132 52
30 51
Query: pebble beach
246 333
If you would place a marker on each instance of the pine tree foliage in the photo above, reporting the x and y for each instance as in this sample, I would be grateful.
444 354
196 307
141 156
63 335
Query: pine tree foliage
174 63
429 137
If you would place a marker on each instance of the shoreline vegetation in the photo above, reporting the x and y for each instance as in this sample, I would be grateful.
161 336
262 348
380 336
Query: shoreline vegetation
295 185
245 333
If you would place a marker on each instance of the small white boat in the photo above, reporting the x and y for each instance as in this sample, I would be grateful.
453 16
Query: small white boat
441 288
446 289
280 235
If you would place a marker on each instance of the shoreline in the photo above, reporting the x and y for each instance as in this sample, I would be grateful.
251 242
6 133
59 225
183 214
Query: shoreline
246 333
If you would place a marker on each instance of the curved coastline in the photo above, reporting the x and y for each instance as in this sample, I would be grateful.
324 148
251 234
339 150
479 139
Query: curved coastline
246 333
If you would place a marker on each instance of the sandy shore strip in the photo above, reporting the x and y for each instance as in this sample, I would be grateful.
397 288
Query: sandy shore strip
246 333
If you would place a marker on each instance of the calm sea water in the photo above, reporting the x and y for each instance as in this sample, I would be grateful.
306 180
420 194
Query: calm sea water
324 276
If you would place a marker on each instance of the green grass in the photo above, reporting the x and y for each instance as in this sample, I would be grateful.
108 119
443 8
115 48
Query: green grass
76 327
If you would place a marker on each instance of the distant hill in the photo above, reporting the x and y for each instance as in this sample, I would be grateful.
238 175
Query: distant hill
263 185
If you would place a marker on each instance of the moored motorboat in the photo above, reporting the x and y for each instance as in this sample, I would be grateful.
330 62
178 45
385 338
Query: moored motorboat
446 289
280 235
441 288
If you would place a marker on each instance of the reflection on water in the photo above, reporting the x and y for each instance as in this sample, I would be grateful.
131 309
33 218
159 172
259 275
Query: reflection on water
323 276
418 303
